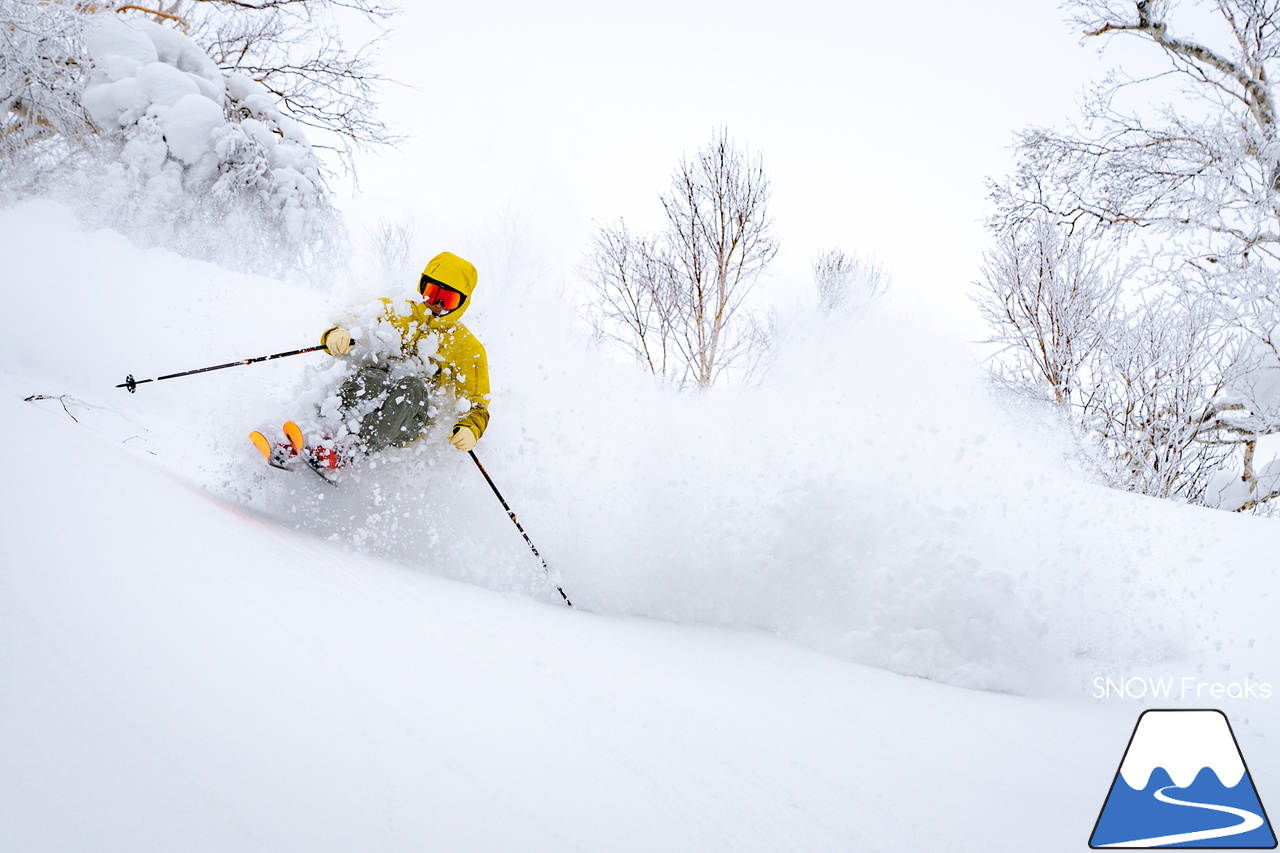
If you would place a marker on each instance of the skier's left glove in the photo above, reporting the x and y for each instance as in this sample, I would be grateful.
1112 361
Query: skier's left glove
463 438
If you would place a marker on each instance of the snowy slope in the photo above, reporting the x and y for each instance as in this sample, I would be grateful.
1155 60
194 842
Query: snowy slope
196 653
181 675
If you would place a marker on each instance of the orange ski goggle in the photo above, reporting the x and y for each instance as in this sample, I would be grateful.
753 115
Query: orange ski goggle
439 293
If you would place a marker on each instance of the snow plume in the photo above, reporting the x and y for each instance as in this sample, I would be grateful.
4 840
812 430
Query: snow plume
181 154
866 500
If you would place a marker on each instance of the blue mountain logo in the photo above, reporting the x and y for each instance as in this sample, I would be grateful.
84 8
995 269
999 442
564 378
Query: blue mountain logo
1183 783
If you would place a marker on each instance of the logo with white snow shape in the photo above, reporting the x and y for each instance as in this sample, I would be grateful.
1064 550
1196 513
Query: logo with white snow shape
1183 783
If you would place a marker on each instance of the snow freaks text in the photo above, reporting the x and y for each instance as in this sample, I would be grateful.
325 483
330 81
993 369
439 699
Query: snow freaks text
1187 687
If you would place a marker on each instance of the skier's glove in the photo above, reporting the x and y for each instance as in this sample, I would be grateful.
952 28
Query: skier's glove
463 438
336 341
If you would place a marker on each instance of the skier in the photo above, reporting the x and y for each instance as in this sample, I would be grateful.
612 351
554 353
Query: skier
392 399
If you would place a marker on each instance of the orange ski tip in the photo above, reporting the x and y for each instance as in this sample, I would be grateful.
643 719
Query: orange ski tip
294 433
260 441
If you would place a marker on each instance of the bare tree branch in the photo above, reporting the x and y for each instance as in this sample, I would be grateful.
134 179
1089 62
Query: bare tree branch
676 301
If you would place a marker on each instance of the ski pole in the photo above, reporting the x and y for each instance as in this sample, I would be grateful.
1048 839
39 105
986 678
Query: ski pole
512 516
132 384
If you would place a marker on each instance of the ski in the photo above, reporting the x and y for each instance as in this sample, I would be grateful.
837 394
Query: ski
299 446
294 433
286 456
277 456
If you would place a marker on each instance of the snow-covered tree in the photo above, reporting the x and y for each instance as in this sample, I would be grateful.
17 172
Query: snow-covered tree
114 107
1176 169
1050 299
41 74
1202 166
298 51
1154 377
1131 383
294 48
1245 410
676 300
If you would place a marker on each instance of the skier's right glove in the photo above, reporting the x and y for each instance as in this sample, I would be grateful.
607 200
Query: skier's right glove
336 341
462 438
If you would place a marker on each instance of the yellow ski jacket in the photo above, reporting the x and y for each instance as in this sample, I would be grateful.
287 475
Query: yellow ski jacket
460 356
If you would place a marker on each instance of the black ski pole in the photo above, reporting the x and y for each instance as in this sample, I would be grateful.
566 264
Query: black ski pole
512 516
132 384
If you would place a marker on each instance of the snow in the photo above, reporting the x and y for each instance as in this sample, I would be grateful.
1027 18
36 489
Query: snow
785 594
189 125
264 692
110 38
187 157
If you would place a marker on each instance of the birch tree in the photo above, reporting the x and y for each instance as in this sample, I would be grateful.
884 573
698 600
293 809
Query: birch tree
1131 382
1050 298
1202 166
635 298
1177 171
677 300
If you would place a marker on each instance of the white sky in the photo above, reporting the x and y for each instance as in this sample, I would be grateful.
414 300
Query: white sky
878 122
